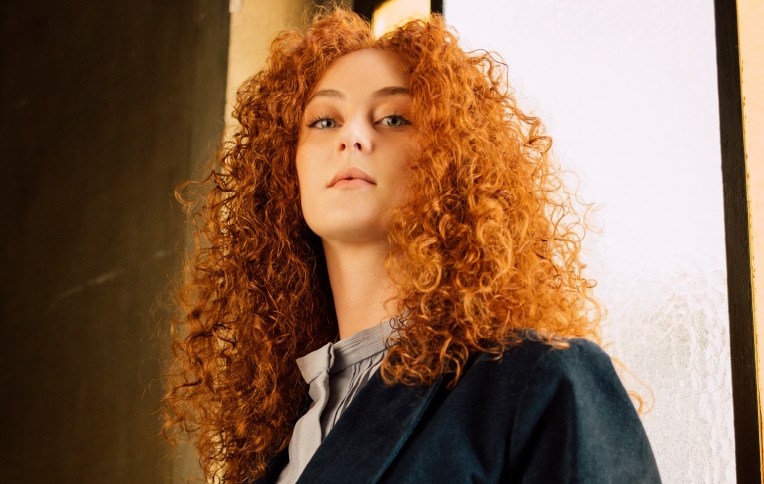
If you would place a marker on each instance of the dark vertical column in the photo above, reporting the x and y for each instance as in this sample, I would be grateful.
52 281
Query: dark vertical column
106 106
366 8
742 337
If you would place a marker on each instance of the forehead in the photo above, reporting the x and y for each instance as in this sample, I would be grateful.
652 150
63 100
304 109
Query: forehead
370 69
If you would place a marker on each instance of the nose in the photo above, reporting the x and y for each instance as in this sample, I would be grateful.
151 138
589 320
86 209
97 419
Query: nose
356 135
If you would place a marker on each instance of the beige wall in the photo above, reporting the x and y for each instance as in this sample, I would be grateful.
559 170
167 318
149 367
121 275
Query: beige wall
254 24
751 20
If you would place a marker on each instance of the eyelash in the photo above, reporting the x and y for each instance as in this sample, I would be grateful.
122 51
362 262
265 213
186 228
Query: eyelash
312 123
406 121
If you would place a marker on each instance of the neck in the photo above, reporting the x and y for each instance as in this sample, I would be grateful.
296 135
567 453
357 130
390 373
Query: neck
360 285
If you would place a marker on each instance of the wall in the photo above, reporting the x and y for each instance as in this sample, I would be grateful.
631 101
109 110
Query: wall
750 23
254 24
106 107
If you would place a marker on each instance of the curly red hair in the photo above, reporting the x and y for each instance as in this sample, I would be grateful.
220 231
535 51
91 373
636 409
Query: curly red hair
486 248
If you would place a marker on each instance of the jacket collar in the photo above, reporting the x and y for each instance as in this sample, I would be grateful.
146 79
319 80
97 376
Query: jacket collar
371 432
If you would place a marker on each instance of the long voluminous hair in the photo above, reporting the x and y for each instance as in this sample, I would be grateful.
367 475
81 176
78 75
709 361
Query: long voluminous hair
486 247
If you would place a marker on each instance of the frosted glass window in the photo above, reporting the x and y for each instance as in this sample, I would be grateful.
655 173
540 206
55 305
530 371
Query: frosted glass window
628 92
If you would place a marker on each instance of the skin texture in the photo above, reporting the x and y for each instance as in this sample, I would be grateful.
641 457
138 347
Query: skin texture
358 118
353 154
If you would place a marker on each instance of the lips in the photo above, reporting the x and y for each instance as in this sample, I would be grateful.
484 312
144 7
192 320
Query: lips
348 176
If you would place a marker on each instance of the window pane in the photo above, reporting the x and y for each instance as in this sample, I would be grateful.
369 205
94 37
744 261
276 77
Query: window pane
628 93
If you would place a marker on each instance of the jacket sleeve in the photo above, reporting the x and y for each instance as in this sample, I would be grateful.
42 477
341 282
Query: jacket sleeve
575 423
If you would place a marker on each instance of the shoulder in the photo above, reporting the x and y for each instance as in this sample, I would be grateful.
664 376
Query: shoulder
533 414
531 360
533 382
570 403
577 352
535 376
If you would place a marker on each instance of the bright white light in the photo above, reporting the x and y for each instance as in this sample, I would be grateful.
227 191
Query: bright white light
395 12
628 93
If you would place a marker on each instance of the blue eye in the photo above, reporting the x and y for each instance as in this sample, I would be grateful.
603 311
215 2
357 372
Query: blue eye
395 121
323 123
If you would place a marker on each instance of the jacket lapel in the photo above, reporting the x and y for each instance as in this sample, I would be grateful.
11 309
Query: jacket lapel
370 433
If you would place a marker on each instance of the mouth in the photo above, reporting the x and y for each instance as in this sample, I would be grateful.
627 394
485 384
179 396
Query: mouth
351 177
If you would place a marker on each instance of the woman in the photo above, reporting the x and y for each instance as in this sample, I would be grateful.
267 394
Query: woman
387 281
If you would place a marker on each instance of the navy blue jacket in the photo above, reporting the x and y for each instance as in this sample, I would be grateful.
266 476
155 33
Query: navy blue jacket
537 415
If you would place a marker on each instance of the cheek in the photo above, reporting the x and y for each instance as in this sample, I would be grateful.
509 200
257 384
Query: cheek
308 182
301 168
303 177
402 170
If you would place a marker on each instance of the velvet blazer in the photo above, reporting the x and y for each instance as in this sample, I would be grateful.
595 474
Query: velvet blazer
536 415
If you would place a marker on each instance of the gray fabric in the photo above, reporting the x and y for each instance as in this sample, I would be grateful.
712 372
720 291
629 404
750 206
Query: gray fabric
335 373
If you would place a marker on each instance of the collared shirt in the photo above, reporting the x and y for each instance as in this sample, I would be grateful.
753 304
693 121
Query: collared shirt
335 373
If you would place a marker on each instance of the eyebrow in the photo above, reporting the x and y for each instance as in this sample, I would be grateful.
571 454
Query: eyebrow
384 92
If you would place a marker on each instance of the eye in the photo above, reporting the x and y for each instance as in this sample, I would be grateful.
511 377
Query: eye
395 121
323 123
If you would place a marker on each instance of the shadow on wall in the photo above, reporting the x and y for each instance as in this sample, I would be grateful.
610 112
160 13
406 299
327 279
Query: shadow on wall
108 105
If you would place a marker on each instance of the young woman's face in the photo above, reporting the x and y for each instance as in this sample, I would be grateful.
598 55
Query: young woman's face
354 147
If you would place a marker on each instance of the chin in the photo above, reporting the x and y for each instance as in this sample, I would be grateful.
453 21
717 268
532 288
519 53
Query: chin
358 234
